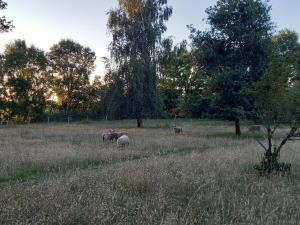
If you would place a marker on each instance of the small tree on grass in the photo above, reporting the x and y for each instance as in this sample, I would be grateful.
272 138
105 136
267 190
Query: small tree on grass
276 104
277 99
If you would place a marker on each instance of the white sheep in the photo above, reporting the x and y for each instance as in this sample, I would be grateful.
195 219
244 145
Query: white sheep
123 141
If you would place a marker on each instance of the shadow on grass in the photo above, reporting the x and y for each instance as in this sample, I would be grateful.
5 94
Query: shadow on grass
233 136
36 171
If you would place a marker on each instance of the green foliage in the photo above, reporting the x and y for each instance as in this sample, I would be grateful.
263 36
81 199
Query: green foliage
71 65
136 27
177 72
113 99
94 96
277 96
231 55
25 81
170 99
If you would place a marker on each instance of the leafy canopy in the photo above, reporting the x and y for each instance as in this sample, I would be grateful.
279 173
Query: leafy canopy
71 65
136 27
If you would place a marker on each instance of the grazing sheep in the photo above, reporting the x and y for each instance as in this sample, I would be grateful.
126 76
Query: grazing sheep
123 141
177 130
254 128
106 137
116 135
112 135
120 134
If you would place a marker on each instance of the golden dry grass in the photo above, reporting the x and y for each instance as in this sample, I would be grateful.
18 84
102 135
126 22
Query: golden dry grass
65 174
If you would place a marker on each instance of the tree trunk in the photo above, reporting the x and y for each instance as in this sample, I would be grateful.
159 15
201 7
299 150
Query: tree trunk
140 123
237 127
270 136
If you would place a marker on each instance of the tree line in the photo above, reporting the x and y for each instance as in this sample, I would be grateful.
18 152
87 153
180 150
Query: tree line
218 73
239 68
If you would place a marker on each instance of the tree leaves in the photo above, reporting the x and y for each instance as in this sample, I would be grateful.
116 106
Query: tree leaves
71 64
136 28
5 25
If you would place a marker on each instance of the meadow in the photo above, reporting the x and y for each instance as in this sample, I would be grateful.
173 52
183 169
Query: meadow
65 174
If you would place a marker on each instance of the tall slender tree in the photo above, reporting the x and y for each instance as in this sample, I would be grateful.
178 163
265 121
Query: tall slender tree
136 27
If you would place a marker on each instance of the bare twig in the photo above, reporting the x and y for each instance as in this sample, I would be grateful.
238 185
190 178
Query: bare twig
261 144
274 129
289 135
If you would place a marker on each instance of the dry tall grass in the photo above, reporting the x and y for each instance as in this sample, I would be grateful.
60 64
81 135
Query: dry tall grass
65 174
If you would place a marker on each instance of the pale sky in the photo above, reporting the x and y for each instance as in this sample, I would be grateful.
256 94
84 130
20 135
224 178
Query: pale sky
45 22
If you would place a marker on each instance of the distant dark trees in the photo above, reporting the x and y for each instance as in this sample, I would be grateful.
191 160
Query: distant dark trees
71 66
212 75
34 84
179 82
24 83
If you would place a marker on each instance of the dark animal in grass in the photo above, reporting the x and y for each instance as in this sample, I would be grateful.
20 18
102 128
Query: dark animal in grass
177 129
106 137
112 136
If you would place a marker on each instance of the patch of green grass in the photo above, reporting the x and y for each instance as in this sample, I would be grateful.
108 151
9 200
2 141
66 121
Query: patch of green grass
34 171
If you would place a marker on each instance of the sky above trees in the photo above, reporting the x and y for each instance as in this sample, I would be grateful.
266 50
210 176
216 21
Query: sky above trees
44 23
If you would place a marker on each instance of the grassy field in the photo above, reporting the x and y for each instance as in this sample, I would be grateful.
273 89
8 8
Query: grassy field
65 174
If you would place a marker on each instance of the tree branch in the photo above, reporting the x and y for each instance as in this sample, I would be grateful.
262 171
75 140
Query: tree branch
289 135
274 129
261 144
